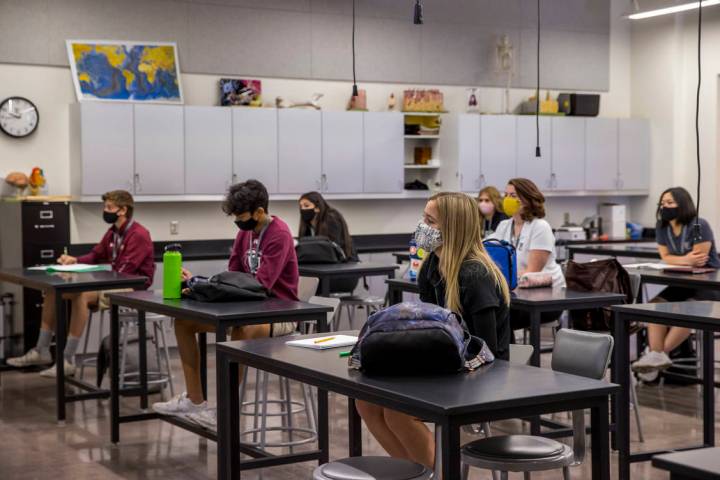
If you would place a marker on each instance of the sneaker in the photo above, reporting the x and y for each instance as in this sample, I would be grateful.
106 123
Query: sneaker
180 405
649 377
32 357
51 372
205 418
652 361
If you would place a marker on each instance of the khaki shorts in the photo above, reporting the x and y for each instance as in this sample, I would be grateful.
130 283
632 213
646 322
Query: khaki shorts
104 301
283 328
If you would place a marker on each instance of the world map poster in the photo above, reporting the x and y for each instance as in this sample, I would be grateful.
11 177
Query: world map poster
125 71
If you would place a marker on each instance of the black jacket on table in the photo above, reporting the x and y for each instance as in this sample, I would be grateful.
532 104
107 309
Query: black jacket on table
483 309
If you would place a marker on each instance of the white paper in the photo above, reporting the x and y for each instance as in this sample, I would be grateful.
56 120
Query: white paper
337 341
77 267
650 266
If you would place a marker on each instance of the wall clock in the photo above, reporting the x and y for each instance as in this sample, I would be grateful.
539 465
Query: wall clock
19 117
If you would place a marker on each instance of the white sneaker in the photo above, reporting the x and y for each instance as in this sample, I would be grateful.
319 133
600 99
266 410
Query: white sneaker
180 405
32 357
205 418
51 372
652 361
649 377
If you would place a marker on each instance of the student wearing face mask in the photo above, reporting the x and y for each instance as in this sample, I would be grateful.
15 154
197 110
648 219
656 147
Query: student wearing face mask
677 245
490 204
318 218
459 275
127 247
533 239
264 248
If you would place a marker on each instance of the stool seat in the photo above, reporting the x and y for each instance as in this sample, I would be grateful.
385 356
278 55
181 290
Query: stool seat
514 447
372 468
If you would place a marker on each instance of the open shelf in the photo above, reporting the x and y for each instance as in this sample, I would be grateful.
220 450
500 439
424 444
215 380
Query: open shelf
422 137
421 167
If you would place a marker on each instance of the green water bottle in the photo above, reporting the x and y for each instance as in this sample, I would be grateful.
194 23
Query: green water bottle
172 271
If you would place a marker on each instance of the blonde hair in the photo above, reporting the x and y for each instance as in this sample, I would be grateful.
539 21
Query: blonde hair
459 222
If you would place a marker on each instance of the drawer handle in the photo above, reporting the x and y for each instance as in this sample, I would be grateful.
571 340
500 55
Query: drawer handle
47 253
46 214
45 226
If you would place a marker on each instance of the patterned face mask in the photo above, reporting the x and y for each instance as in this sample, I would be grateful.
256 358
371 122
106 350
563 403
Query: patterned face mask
427 237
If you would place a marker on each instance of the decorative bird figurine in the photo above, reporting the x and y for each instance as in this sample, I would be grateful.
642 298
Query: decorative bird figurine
37 181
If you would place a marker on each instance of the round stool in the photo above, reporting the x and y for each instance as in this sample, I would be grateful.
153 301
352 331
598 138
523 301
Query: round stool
372 468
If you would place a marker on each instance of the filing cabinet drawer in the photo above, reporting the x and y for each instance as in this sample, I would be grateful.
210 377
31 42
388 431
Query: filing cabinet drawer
47 223
34 254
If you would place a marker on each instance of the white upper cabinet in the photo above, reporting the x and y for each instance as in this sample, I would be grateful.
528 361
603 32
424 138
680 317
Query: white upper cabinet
537 169
102 147
208 150
601 154
159 150
299 150
468 152
255 146
497 150
568 154
634 154
342 152
384 148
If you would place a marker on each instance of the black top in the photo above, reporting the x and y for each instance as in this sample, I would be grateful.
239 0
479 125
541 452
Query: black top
359 269
253 311
335 231
709 281
701 312
498 385
634 251
489 226
483 307
701 464
80 281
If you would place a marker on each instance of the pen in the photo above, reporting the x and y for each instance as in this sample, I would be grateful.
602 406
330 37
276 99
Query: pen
322 340
65 251
344 354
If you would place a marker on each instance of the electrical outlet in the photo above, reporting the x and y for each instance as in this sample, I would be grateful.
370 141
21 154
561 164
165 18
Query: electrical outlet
174 227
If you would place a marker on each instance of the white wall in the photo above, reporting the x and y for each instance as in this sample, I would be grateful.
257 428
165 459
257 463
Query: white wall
664 79
51 89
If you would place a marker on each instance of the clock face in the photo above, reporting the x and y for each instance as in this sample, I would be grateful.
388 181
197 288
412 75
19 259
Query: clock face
19 117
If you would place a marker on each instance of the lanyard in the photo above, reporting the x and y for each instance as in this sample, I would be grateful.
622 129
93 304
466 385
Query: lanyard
515 241
253 252
683 239
118 240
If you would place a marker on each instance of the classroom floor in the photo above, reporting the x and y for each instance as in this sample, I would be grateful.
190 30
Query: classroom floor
34 446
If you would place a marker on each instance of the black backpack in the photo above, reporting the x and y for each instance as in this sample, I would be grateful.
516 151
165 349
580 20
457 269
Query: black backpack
319 249
225 287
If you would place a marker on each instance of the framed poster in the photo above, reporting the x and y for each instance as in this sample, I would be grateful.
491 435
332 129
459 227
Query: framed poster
125 71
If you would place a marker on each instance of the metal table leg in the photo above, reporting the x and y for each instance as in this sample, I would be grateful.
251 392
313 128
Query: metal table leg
600 438
60 333
622 399
114 374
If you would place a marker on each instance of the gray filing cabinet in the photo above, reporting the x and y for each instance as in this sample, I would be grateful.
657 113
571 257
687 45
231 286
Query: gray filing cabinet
32 233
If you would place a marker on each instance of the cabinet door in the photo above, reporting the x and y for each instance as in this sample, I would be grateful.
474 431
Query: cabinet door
568 154
299 150
106 147
601 154
342 152
634 154
497 150
537 169
208 150
468 130
384 148
159 150
255 146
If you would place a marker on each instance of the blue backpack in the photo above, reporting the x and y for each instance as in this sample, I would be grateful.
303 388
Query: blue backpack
415 338
505 257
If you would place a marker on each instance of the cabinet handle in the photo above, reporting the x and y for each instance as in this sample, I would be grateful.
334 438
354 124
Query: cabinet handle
138 185
553 181
46 215
482 181
47 253
234 178
323 182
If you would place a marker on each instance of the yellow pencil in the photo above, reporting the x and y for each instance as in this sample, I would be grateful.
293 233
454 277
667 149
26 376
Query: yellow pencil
322 340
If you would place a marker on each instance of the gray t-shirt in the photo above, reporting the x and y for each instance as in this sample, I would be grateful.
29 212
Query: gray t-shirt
683 244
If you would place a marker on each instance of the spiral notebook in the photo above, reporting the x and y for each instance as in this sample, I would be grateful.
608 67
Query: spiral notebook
323 343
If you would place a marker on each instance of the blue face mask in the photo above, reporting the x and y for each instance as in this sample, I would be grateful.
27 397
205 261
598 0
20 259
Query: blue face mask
427 237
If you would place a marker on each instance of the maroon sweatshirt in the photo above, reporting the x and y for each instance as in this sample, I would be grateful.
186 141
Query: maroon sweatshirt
278 270
134 255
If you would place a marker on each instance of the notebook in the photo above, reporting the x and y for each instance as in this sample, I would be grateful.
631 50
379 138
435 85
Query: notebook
331 341
693 270
77 267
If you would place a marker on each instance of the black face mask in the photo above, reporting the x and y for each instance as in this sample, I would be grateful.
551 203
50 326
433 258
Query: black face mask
669 213
110 217
246 225
307 214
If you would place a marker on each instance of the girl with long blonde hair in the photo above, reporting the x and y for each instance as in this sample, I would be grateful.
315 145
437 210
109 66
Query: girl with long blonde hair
459 275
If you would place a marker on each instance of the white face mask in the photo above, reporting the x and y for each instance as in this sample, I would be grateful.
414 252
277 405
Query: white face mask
427 237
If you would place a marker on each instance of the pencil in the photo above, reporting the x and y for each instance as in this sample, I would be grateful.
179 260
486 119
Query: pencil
323 340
